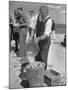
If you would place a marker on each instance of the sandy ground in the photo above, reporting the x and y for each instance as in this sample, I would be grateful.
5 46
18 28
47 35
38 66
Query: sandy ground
57 55
56 61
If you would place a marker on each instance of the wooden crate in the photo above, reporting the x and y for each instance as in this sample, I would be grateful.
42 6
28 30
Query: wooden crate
52 78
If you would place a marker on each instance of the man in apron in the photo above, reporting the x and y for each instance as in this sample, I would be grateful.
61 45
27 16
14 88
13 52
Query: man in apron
43 30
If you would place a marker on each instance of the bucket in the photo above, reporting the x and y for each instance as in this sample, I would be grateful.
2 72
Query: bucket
35 73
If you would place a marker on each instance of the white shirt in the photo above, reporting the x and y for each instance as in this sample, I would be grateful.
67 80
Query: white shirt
32 22
47 26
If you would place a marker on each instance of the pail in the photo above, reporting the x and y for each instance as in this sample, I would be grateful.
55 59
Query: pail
35 73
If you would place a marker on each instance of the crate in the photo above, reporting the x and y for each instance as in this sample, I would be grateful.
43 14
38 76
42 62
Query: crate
52 78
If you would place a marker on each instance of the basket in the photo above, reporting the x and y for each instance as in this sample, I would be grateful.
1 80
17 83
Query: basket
35 73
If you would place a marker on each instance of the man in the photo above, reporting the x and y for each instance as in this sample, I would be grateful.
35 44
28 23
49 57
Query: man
43 30
11 27
22 21
11 33
16 29
32 24
31 12
64 41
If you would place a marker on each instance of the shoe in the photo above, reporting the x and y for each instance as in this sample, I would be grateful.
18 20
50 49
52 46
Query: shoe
62 43
25 83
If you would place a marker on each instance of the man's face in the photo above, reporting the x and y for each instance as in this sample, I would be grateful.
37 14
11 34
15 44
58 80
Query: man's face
43 14
44 11
17 14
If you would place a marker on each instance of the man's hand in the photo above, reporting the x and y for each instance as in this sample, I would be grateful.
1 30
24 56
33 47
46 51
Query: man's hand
37 39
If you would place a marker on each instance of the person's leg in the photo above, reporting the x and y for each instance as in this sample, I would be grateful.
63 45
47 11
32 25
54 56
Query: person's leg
64 41
16 45
44 54
16 38
39 57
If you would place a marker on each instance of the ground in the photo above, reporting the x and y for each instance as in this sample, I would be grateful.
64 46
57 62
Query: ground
56 61
57 54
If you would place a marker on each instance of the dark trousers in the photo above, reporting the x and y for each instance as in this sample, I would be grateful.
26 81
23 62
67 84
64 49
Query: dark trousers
11 32
43 53
65 40
12 35
16 38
